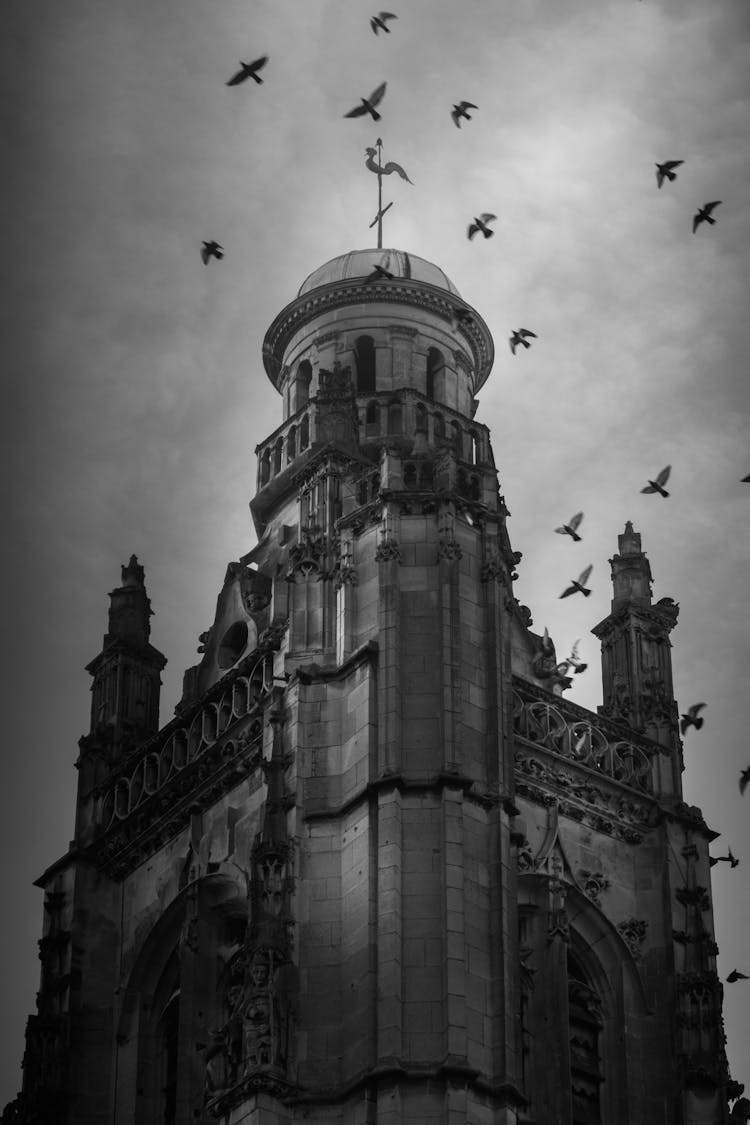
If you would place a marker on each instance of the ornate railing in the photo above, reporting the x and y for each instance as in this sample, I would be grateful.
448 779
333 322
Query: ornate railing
567 730
177 746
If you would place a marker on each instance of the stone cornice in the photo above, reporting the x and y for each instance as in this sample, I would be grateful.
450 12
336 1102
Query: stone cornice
400 291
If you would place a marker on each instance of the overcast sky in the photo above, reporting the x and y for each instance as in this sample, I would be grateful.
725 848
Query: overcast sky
134 393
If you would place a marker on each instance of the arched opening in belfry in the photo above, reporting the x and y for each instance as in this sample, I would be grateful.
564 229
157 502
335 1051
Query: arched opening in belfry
302 385
291 444
438 427
395 417
265 467
364 356
435 365
421 418
457 439
304 433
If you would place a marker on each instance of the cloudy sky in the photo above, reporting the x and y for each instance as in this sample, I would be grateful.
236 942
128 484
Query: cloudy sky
134 393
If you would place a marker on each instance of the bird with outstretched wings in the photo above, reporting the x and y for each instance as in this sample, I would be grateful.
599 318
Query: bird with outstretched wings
368 104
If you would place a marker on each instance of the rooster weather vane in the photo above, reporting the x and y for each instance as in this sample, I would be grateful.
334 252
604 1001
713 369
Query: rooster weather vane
381 170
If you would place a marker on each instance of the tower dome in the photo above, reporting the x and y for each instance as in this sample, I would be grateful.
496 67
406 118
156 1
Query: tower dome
362 263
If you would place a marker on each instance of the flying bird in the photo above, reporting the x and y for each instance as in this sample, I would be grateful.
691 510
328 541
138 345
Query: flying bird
691 719
737 975
249 70
459 111
703 214
481 224
383 169
571 528
745 480
380 273
519 338
658 484
368 104
577 665
728 858
744 779
666 170
578 584
211 250
380 21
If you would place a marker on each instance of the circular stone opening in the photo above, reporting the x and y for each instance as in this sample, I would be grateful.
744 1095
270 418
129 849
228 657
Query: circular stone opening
232 645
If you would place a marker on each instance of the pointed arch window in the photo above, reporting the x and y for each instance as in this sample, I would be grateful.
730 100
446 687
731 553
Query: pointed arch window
585 1026
364 355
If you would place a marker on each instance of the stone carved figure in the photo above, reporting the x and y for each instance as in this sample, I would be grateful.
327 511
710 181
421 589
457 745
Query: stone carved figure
545 667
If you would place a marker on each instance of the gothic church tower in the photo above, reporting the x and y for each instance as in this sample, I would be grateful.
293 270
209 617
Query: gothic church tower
376 870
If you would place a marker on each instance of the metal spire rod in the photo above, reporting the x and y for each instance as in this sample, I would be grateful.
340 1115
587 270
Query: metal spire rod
380 196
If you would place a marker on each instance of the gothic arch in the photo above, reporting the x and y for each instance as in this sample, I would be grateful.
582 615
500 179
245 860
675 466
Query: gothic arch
611 972
154 1002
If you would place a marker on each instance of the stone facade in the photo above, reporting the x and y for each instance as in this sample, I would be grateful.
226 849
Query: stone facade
377 870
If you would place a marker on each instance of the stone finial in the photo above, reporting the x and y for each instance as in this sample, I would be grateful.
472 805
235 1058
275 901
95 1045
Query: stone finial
133 573
631 572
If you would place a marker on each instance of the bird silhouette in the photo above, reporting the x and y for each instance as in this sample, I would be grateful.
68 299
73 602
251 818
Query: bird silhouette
571 527
384 169
380 20
728 858
573 662
658 484
248 70
691 718
744 779
745 480
481 224
459 111
703 214
368 104
518 337
380 273
578 584
737 975
211 250
666 170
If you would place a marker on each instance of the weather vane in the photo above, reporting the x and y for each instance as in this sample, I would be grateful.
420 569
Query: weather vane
380 171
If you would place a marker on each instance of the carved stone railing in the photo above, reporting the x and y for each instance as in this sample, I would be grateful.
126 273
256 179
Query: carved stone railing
567 730
177 746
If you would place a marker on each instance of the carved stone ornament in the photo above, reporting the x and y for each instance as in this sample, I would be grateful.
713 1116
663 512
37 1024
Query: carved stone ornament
388 550
593 884
693 896
346 575
633 933
449 549
525 858
336 383
306 558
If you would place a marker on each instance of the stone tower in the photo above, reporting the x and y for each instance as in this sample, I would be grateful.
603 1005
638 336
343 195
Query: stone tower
376 870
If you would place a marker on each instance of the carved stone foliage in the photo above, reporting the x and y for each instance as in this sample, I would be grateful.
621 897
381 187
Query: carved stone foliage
593 884
388 550
577 739
633 933
449 549
694 896
624 818
557 919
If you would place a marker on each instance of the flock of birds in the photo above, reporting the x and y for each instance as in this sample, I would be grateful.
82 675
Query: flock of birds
665 171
